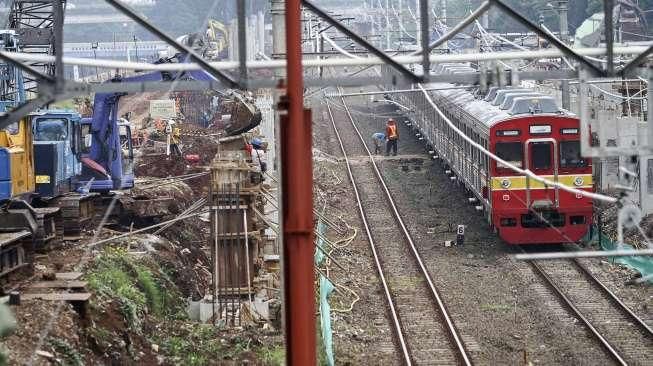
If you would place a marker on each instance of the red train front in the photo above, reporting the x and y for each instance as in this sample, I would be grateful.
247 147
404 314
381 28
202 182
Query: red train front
526 129
526 211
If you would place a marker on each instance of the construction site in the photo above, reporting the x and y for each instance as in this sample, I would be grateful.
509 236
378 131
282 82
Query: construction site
301 182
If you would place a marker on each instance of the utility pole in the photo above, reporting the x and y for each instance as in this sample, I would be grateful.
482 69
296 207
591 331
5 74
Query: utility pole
418 29
387 24
443 15
278 33
443 11
564 27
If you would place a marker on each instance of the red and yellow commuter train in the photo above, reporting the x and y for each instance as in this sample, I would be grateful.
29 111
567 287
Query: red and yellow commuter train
526 129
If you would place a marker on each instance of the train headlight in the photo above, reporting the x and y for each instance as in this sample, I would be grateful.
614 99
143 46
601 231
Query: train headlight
505 183
578 181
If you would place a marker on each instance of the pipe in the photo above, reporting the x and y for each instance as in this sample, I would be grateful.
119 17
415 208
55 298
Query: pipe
297 203
279 64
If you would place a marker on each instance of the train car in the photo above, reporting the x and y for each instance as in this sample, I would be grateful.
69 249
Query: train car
532 133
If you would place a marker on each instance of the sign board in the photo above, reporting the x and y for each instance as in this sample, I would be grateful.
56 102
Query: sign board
460 235
163 108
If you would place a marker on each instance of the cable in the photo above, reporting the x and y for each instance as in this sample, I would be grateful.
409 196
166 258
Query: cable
338 48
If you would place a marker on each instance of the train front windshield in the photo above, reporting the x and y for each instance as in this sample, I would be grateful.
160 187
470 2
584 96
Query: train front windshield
511 152
570 155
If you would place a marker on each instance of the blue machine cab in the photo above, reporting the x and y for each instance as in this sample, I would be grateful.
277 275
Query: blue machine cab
56 148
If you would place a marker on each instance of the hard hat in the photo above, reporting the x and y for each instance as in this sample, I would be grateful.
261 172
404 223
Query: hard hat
256 142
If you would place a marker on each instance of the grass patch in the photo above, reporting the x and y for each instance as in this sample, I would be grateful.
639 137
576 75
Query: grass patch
138 285
194 345
272 355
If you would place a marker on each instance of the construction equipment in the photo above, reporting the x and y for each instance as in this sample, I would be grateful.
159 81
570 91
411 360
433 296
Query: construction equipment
218 39
57 145
22 226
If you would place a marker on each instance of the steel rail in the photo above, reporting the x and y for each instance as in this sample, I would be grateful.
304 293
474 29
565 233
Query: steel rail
377 261
451 328
560 293
645 327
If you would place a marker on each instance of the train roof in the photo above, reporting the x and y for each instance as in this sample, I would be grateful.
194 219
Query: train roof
510 97
529 102
501 93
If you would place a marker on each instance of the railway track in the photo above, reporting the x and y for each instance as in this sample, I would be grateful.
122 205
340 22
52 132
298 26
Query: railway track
623 335
424 330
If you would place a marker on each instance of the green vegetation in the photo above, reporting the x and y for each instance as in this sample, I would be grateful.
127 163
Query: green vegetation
148 299
138 285
70 356
272 355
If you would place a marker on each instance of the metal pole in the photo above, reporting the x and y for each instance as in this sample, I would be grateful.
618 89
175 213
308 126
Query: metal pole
297 190
649 111
242 42
564 27
608 5
387 25
565 95
424 30
136 48
586 149
443 11
57 16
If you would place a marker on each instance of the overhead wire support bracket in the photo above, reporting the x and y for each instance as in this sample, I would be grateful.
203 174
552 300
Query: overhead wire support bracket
358 39
171 41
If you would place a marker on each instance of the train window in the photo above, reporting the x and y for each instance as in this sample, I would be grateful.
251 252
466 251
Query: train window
510 152
570 155
541 155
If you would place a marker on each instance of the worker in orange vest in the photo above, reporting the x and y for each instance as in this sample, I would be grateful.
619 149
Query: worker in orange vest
392 135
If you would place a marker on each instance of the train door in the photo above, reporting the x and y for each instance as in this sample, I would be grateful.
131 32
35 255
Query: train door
541 157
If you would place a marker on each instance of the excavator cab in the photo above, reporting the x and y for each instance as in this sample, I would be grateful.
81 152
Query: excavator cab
107 164
57 144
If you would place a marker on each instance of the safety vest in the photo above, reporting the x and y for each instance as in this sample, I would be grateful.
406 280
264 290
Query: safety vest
392 132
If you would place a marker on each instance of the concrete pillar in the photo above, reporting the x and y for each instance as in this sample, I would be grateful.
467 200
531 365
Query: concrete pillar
260 35
564 28
278 32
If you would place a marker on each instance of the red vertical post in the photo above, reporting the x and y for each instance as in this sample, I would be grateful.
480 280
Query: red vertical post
297 193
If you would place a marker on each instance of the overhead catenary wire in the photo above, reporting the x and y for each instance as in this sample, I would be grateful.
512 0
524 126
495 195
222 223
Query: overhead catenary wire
338 48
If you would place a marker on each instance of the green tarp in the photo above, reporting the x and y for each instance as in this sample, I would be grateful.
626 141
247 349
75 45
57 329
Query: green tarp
641 264
326 287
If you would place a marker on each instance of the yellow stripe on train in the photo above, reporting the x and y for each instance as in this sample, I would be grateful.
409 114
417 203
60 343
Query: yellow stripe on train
519 182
